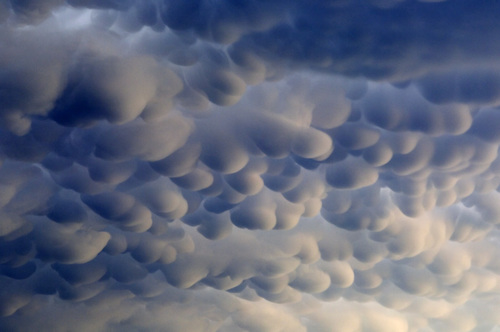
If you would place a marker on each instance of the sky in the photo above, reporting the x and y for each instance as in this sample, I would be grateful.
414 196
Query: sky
250 165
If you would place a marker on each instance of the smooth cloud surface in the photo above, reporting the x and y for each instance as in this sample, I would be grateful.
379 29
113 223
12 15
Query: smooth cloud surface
191 165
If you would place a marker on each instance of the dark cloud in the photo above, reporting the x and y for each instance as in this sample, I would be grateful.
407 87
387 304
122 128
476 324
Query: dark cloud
249 166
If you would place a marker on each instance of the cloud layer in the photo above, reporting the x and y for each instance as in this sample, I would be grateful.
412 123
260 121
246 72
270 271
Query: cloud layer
249 166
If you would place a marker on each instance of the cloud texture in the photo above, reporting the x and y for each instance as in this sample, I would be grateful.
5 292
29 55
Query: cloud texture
195 165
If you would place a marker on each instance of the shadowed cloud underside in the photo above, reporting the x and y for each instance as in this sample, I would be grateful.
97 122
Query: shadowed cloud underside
267 166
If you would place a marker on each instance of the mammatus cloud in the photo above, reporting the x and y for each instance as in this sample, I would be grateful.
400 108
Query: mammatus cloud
249 166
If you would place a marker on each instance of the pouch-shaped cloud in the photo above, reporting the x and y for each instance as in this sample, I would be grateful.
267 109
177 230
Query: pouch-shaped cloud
114 89
161 142
248 166
351 174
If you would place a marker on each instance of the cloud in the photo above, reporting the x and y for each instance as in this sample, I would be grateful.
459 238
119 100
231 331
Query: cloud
246 166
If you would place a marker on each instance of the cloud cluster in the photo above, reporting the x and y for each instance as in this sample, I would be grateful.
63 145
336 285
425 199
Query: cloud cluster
249 166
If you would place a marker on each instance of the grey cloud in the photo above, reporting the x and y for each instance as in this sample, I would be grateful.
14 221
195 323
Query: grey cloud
220 87
66 243
356 136
248 180
351 174
255 214
110 172
77 178
163 199
108 4
31 85
400 109
179 162
227 166
220 151
32 12
114 89
484 124
161 142
65 210
477 87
